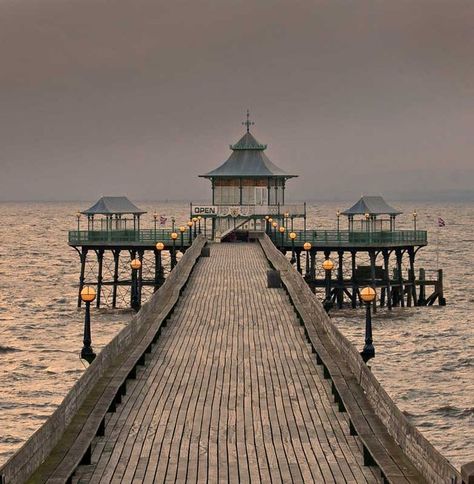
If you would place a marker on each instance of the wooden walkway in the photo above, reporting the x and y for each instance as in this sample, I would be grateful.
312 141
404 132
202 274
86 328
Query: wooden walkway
230 393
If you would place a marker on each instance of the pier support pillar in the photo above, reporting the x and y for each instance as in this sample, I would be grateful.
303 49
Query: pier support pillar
133 254
354 281
158 270
401 289
116 254
298 260
422 289
440 289
340 279
411 277
312 270
140 277
373 282
100 261
386 271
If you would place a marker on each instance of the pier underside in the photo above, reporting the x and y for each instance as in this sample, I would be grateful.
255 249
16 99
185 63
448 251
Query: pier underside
230 392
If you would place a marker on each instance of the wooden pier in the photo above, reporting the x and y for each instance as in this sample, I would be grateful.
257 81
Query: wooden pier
219 378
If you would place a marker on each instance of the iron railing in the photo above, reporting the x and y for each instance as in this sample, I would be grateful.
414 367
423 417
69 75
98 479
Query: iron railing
143 236
351 238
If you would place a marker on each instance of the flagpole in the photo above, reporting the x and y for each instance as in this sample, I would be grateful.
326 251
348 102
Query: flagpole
437 246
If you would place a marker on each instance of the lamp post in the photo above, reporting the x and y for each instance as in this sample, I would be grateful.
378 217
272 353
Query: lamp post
135 264
266 224
190 225
78 216
338 215
174 236
199 224
328 266
286 215
367 217
368 294
414 220
182 229
282 232
275 225
292 237
87 353
173 221
307 247
194 222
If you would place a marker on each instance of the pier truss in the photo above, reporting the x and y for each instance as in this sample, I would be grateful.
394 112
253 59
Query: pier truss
108 270
387 265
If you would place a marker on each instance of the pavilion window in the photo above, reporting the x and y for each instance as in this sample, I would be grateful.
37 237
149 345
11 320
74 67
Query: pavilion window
248 195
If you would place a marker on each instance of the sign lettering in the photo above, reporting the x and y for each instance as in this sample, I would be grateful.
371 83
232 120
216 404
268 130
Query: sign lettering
205 210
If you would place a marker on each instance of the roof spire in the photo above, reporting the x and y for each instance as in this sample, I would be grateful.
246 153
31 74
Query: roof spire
248 123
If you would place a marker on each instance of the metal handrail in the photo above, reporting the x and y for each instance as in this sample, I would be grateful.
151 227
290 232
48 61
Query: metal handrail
143 236
347 237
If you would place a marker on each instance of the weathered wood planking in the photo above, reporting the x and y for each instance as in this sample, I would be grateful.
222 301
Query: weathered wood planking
82 410
230 393
383 428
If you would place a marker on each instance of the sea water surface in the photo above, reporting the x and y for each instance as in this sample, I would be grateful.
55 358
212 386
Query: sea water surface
424 356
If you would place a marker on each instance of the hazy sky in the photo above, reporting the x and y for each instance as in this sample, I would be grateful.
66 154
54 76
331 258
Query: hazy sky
138 97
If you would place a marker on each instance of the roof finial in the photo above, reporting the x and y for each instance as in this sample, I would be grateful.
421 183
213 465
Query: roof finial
248 123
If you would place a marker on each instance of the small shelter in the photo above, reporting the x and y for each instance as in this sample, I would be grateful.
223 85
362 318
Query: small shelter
370 209
248 177
112 214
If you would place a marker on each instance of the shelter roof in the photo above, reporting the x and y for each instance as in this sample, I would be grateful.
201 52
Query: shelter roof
248 159
113 206
373 205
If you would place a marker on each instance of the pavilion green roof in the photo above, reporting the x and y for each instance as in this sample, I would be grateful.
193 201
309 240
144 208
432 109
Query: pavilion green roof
248 160
113 206
373 205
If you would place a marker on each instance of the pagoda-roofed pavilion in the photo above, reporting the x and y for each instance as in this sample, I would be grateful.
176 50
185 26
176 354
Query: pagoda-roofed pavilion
245 188
370 208
248 177
112 213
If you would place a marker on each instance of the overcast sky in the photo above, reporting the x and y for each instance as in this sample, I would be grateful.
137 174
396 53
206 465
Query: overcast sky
138 97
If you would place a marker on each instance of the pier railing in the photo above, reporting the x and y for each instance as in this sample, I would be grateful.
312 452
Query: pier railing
143 236
334 238
83 409
343 364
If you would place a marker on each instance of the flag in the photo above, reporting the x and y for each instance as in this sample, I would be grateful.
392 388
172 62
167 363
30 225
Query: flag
163 220
441 222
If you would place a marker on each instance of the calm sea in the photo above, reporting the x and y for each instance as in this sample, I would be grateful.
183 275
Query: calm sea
424 356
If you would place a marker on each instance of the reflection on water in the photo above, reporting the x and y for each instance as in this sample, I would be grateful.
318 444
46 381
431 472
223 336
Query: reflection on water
424 356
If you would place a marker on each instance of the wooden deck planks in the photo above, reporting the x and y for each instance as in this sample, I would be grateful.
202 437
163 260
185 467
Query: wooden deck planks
230 393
